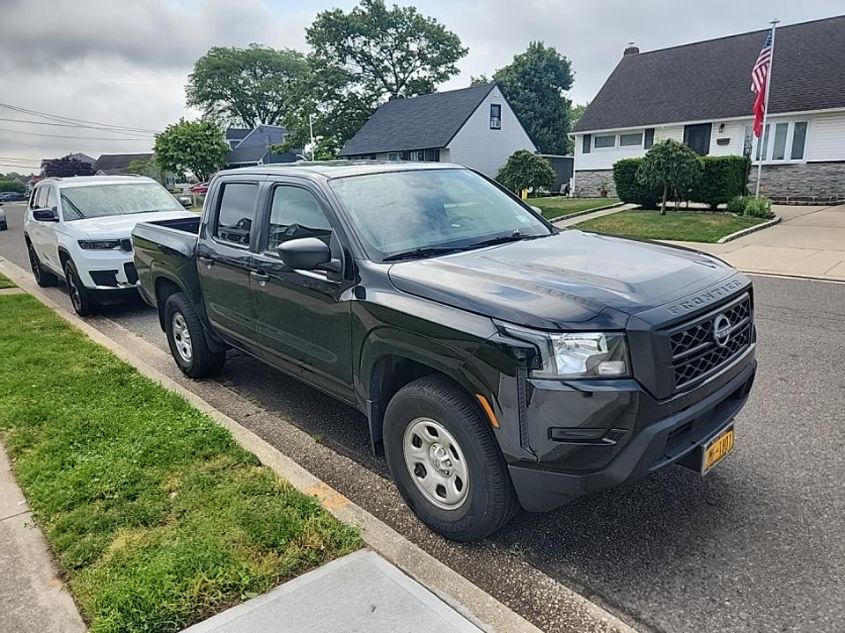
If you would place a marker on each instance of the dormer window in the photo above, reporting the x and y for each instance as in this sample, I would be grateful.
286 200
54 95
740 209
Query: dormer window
495 116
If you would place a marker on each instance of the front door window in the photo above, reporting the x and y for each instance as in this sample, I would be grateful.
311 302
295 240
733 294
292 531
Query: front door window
697 137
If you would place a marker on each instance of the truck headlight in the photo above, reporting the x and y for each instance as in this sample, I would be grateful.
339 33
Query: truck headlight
99 245
577 354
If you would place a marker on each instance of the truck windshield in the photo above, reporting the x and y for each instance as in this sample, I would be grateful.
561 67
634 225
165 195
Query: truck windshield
97 201
420 213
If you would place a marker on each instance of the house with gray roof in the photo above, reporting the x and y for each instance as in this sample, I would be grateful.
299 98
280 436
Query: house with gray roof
252 147
117 164
700 94
472 126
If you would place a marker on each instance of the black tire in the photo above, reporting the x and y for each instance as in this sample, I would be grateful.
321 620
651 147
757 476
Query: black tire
490 501
42 277
202 361
81 298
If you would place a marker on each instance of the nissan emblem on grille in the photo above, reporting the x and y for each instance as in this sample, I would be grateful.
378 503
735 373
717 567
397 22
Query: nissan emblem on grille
721 330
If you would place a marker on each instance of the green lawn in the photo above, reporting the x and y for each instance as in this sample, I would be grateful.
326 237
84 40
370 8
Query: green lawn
557 206
5 282
690 226
157 517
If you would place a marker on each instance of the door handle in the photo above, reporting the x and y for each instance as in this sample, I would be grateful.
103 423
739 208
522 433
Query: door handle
207 261
260 277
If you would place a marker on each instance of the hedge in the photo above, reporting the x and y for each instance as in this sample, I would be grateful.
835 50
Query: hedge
722 179
12 185
629 189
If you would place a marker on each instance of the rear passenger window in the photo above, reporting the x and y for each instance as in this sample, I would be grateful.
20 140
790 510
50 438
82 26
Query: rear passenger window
296 213
236 213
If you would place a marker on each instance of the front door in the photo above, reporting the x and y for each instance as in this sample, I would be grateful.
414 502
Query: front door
697 137
43 234
304 320
224 261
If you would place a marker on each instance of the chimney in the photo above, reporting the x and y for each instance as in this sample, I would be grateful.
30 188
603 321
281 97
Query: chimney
631 49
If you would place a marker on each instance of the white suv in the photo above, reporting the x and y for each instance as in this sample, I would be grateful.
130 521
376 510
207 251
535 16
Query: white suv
78 229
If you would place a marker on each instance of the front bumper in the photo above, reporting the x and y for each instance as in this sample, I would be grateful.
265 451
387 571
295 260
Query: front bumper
106 271
624 434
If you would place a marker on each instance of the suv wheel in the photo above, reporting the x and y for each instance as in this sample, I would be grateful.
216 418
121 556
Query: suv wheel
81 298
445 461
186 338
42 277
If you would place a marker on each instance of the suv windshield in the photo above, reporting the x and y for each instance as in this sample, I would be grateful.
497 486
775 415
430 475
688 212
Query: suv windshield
419 213
96 201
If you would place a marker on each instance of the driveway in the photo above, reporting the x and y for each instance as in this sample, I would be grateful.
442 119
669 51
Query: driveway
757 545
809 242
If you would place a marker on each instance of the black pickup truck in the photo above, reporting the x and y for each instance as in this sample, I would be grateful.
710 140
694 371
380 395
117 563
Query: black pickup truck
500 362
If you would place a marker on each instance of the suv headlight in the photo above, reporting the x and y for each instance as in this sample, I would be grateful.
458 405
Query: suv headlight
577 354
99 245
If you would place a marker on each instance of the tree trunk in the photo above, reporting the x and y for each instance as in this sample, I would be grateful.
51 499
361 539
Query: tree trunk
663 203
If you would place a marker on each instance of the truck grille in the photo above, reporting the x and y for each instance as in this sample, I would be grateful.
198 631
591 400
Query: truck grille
696 352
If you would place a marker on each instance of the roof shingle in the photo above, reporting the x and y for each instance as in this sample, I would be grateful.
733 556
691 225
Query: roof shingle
712 79
424 122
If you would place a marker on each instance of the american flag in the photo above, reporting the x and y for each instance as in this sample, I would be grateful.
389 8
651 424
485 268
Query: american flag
759 77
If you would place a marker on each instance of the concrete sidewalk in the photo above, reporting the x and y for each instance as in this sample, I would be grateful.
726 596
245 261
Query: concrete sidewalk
809 242
33 598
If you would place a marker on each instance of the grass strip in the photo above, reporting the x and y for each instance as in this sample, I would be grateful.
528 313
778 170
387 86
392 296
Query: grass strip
157 517
5 282
557 206
688 226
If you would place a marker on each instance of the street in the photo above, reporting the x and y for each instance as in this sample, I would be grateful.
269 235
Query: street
756 545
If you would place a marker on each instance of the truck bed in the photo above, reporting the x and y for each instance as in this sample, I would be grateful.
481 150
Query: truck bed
165 249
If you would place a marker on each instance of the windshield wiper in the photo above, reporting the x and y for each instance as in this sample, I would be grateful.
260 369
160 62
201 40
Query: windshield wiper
516 236
425 251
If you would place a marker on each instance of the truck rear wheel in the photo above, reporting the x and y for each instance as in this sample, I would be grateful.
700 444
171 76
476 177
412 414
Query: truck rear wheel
445 461
186 338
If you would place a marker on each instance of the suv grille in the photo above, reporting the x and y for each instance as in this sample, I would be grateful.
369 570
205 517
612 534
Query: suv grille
696 353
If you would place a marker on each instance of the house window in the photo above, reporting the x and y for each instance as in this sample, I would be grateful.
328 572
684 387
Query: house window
784 140
393 156
495 116
601 142
631 140
587 143
649 138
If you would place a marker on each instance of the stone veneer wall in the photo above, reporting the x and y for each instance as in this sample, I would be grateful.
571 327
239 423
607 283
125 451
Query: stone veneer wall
588 182
806 181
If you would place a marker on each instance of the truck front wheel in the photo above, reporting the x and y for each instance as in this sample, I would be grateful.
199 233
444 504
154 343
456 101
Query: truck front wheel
186 339
445 461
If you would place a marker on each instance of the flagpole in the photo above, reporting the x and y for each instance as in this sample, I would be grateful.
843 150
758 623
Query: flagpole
763 135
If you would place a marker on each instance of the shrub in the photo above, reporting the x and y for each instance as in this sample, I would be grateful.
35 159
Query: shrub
737 205
525 170
628 188
672 167
12 185
722 178
758 207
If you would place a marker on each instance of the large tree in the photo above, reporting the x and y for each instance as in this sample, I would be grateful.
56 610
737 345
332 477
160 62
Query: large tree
368 55
534 84
246 86
65 167
191 146
148 167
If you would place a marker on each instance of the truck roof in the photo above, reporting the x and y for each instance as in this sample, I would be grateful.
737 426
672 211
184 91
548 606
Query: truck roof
338 168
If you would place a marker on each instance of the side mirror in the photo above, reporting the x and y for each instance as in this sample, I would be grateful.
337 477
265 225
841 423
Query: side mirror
186 201
44 215
305 253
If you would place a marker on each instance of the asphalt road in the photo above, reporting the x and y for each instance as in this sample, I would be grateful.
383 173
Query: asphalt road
757 545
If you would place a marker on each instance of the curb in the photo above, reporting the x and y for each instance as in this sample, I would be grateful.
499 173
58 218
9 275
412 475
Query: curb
465 597
749 230
586 212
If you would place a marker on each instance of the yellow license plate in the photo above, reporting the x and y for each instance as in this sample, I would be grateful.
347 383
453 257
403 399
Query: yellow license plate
717 449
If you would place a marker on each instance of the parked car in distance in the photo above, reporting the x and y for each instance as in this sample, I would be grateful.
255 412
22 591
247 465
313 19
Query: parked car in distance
499 361
12 196
3 224
78 229
199 188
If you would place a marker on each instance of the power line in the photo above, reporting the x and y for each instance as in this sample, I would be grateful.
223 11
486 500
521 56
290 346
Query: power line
64 119
84 138
74 125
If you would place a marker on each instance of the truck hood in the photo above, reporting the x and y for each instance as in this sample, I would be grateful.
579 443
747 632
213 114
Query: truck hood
563 281
120 226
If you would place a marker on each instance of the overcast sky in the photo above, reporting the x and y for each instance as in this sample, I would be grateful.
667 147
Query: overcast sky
125 63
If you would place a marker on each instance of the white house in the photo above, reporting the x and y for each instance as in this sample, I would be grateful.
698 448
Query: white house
473 126
700 94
